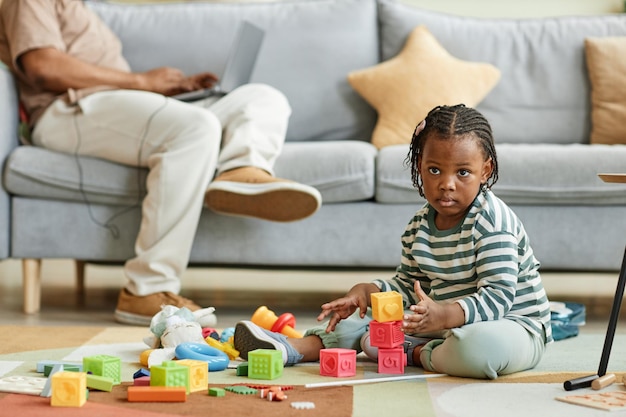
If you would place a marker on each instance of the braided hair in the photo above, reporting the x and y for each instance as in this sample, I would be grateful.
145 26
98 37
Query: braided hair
449 122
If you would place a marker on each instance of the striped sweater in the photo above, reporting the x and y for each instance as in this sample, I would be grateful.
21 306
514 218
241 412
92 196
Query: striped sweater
485 264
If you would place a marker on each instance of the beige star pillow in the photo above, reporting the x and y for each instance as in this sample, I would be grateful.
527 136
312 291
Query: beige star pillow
422 76
606 64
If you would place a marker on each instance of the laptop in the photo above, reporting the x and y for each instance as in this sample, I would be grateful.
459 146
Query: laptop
239 65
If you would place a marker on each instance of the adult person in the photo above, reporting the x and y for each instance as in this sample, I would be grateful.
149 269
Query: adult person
82 98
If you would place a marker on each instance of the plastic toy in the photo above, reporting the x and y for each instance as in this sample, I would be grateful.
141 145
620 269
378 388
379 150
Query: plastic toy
104 365
69 389
265 364
387 306
100 383
198 374
157 394
284 324
391 361
386 335
225 347
170 374
216 359
338 362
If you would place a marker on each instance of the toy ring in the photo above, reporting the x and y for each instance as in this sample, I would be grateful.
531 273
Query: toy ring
217 360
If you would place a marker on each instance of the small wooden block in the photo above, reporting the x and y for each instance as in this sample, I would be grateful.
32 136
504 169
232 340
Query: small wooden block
603 381
157 394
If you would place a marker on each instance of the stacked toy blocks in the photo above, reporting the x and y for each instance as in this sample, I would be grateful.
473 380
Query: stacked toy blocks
386 331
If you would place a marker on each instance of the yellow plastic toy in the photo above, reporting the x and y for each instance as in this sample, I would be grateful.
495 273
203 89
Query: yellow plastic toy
284 324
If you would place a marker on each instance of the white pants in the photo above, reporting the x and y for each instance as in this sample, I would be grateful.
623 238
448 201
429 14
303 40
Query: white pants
183 146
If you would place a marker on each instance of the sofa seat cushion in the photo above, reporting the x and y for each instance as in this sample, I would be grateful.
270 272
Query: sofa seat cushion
545 174
341 171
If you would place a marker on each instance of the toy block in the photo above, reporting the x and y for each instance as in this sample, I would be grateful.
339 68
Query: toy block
157 394
104 365
338 362
141 372
64 367
69 389
47 389
41 365
386 335
387 306
242 369
100 383
142 381
170 374
265 364
391 361
217 392
31 385
198 374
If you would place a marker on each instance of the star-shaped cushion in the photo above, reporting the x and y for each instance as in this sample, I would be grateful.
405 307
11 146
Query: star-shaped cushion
422 76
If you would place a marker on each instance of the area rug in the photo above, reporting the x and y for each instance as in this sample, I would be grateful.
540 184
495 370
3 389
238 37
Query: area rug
523 394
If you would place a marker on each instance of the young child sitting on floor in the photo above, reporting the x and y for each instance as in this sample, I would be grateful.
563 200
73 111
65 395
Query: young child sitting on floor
468 276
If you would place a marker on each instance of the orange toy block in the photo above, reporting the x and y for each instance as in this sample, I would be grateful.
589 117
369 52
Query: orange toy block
387 306
69 389
157 394
267 319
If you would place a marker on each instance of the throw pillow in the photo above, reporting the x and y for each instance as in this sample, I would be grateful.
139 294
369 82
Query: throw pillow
422 76
606 64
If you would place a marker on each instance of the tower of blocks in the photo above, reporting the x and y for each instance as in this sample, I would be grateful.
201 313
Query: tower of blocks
386 331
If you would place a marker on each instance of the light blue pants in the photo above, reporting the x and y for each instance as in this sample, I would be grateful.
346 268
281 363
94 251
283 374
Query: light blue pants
479 350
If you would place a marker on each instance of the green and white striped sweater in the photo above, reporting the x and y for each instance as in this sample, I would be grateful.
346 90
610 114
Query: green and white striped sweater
485 264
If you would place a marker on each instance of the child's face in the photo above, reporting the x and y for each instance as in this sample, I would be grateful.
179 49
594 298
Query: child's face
452 171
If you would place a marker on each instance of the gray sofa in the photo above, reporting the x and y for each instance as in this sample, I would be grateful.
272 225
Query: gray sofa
55 205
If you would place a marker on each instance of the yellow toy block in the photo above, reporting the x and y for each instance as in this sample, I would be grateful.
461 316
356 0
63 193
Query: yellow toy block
69 389
198 374
387 306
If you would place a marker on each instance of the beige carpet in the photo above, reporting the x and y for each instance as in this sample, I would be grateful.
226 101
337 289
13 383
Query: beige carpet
440 397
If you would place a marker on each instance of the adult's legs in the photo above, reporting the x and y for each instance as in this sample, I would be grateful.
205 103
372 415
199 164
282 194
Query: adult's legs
179 144
254 119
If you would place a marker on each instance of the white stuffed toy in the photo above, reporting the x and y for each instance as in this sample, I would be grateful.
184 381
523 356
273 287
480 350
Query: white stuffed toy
172 326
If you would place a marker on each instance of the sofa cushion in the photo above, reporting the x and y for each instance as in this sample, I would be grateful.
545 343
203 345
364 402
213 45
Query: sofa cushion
606 62
543 95
528 174
308 48
422 76
341 171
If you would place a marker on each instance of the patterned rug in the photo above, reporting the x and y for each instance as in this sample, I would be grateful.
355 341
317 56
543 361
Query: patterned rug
527 393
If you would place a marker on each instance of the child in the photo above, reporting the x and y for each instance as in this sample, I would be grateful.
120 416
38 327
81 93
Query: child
467 274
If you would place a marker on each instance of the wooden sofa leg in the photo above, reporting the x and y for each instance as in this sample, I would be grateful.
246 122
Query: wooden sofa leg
31 276
80 266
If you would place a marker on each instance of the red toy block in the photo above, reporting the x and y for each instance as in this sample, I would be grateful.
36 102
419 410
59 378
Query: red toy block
338 362
157 394
391 361
386 335
142 381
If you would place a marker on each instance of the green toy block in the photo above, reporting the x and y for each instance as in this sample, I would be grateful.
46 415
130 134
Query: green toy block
104 365
242 369
217 392
101 383
170 374
265 364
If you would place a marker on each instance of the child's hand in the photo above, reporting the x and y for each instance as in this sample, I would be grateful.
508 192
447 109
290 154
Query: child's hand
344 307
429 316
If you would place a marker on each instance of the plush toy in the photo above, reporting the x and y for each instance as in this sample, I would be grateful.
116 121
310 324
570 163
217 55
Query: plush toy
173 326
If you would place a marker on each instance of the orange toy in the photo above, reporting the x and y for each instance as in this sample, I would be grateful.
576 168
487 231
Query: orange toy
284 324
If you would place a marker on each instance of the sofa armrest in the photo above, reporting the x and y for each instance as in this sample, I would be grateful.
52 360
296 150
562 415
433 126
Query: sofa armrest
8 141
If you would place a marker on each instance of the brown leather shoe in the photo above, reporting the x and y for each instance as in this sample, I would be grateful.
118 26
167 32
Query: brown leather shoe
139 310
252 192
